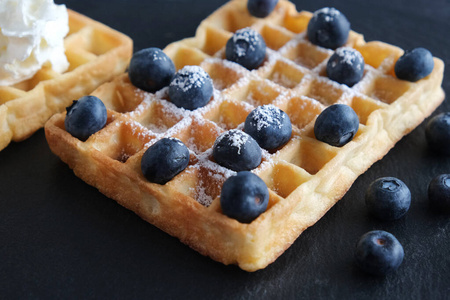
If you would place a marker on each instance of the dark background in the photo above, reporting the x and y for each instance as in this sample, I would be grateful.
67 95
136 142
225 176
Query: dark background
60 238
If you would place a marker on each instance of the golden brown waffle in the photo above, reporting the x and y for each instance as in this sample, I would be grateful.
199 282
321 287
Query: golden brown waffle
96 53
306 177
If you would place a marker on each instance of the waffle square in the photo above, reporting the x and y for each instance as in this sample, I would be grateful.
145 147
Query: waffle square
96 54
305 177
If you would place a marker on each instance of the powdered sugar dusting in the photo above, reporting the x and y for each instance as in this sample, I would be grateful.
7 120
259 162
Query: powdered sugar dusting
236 138
211 176
329 12
348 56
157 128
136 128
267 116
190 77
177 141
157 55
202 196
250 36
284 80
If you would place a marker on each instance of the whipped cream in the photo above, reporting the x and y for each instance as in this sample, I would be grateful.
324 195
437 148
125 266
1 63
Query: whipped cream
31 33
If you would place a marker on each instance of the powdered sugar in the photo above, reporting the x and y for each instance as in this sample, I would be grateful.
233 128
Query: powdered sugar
210 177
267 116
282 79
202 196
176 140
236 138
190 77
136 128
348 56
158 56
329 12
248 35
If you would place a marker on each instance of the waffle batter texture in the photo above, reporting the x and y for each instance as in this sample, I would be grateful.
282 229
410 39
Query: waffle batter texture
96 54
305 177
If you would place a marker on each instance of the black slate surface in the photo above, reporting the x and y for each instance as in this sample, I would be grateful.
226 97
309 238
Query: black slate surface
60 238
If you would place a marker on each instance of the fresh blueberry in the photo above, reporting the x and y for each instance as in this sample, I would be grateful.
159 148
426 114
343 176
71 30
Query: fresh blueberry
261 8
336 125
191 88
438 133
414 65
346 66
85 117
379 252
236 150
244 197
247 48
269 126
150 69
439 193
163 160
328 28
388 198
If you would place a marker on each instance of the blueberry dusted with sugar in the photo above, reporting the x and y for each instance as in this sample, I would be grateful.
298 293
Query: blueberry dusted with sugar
150 69
379 253
336 125
438 133
163 160
85 117
247 48
191 88
328 28
414 65
236 150
261 8
439 193
269 126
388 198
244 197
346 66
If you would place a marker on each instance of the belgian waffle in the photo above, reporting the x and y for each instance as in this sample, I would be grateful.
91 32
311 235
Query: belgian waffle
305 177
96 53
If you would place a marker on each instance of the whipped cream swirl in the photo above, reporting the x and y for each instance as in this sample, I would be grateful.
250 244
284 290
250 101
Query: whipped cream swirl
31 34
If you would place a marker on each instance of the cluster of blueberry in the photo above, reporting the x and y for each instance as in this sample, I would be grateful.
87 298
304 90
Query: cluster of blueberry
245 196
266 127
329 28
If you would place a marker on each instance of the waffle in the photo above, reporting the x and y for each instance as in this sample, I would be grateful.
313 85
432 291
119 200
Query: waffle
305 177
96 53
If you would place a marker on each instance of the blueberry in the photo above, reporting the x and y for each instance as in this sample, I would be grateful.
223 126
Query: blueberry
336 125
379 252
85 117
191 88
150 69
328 28
163 160
438 133
346 66
261 8
247 48
269 126
414 65
439 193
244 197
236 150
388 198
